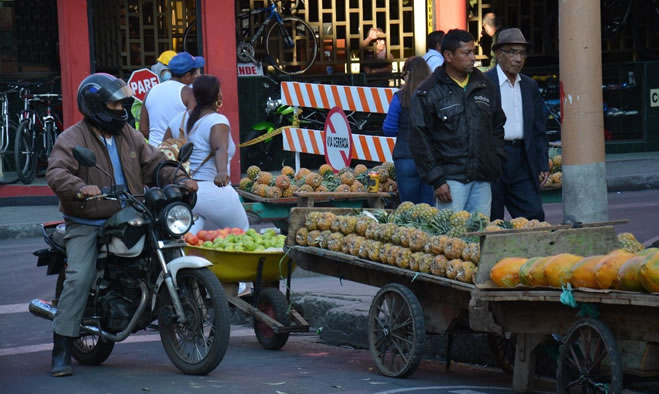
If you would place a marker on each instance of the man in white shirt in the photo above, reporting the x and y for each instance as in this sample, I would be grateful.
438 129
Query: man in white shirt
434 57
525 139
169 98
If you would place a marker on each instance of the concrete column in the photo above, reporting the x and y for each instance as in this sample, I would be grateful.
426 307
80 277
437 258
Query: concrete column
582 133
450 14
218 29
74 54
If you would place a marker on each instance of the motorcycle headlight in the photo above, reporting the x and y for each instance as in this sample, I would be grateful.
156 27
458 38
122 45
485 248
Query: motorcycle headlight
176 218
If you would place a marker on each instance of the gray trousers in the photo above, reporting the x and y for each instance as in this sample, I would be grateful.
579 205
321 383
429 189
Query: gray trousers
81 253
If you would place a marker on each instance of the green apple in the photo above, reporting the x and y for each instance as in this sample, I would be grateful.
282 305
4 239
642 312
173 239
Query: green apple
207 244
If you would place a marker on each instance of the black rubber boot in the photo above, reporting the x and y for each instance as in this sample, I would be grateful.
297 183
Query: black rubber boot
61 364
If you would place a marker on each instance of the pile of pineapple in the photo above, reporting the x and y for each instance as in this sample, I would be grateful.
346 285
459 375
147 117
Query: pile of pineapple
628 242
356 180
555 169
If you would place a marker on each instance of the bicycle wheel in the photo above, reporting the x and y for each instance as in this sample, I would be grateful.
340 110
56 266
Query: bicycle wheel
25 151
292 46
49 138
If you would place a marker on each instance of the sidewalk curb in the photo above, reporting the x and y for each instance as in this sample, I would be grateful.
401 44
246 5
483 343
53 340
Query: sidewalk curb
20 231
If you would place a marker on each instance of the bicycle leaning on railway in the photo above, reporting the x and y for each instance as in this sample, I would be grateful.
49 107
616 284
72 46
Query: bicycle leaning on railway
7 125
36 132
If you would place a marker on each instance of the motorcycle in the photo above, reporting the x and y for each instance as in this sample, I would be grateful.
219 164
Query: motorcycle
143 275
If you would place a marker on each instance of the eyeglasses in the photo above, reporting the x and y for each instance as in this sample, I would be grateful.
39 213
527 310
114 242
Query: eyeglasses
522 54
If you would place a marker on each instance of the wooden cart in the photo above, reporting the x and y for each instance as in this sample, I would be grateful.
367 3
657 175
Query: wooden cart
274 319
411 304
277 210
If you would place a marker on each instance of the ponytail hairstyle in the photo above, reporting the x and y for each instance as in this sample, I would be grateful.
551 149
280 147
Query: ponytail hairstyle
205 88
417 70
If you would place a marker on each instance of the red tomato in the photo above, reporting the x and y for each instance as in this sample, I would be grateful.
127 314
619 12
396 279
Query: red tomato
200 242
202 234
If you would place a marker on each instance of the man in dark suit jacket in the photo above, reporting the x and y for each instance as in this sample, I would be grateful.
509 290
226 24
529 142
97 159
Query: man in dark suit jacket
525 139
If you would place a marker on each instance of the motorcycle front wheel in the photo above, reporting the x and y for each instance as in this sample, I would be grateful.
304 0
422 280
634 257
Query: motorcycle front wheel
197 346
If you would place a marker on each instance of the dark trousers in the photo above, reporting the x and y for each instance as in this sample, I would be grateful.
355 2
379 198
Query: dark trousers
516 189
410 185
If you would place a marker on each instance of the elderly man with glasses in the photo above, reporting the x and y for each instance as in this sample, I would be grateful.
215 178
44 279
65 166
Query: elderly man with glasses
525 139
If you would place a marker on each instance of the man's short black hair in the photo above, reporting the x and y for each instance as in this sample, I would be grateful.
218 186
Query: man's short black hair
434 39
454 39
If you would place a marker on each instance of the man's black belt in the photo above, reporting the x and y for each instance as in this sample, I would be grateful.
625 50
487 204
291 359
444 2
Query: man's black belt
513 142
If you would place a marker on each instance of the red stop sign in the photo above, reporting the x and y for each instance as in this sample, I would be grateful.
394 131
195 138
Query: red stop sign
141 81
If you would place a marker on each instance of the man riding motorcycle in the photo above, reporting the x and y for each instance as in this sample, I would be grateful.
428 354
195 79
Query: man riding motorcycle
119 148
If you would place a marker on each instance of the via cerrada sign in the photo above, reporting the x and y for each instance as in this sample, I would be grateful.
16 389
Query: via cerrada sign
337 139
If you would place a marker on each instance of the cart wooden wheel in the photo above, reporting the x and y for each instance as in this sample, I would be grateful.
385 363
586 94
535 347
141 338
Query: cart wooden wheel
503 351
589 361
273 303
396 331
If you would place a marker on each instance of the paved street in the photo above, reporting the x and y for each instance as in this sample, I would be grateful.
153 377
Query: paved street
304 365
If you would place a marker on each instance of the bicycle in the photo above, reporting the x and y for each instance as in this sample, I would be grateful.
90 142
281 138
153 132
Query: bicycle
36 133
7 125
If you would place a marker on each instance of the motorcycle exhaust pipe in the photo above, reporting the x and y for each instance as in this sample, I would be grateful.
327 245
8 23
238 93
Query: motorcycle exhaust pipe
44 310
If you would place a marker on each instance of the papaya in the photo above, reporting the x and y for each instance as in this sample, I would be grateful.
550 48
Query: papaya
526 269
505 273
647 252
582 273
536 276
606 272
628 274
557 269
649 273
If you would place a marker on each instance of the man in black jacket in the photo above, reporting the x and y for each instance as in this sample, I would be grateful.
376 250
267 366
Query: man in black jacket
526 146
456 129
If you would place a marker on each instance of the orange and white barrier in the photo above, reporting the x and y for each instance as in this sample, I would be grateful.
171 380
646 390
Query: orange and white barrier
365 147
348 98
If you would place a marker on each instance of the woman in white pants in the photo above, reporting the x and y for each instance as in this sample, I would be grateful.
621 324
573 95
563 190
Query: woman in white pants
218 204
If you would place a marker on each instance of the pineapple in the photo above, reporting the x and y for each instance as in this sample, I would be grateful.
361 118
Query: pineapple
454 248
629 243
331 181
418 240
417 211
288 171
325 168
445 214
388 232
362 224
360 169
342 189
452 268
415 260
282 182
403 258
459 223
395 237
264 178
347 178
357 187
557 161
374 251
301 236
344 170
325 221
336 224
439 264
356 245
321 189
245 184
253 172
404 206
302 173
556 178
391 169
378 232
370 230
347 225
313 238
311 220
305 189
383 174
348 242
335 242
289 191
390 186
465 272
472 252
385 252
324 238
519 222
426 263
272 192
259 189
434 245
312 179
443 242
405 236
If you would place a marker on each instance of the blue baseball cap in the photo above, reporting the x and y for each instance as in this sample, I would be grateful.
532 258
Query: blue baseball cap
184 62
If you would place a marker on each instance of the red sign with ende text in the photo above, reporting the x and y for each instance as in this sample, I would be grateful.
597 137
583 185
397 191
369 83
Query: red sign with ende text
337 139
141 81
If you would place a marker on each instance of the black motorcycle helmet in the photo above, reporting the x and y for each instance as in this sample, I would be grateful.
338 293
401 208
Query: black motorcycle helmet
95 92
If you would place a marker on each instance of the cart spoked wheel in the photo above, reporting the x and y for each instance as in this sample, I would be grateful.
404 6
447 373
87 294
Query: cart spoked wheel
589 361
396 331
503 351
273 303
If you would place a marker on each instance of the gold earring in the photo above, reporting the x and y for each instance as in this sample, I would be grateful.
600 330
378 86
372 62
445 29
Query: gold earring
218 104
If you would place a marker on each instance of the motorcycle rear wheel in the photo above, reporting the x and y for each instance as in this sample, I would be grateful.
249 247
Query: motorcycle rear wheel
91 350
207 313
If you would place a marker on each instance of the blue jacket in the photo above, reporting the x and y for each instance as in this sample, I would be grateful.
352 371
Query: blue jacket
535 132
397 124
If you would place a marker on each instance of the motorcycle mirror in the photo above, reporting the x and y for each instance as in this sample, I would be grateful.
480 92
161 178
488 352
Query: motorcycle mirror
185 152
84 156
